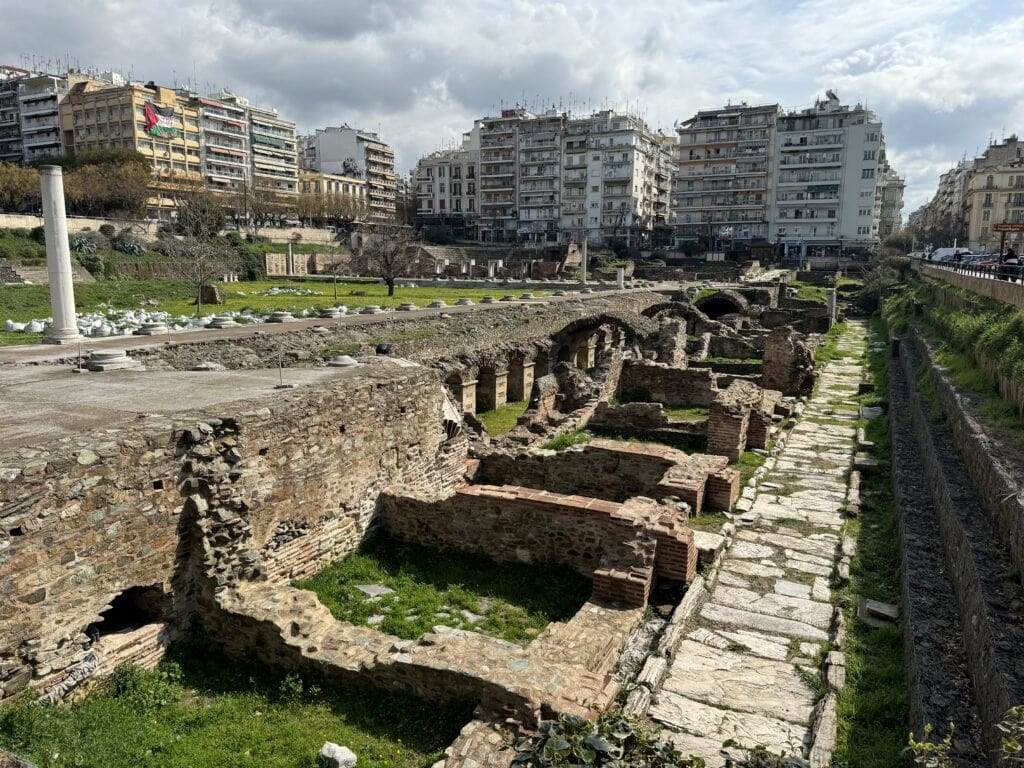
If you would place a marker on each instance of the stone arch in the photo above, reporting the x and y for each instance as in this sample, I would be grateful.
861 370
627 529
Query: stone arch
721 303
576 342
693 317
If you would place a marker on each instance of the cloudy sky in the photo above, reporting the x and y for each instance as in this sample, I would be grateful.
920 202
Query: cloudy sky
945 76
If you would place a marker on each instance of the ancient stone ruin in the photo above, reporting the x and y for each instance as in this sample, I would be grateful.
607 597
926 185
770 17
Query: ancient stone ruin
194 514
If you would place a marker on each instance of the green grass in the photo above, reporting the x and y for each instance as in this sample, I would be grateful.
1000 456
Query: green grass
873 707
748 464
707 521
11 339
566 440
687 414
504 418
830 351
431 587
809 292
200 710
16 245
26 302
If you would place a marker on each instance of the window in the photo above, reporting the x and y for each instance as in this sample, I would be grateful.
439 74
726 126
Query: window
867 173
595 188
471 172
863 230
440 172
596 157
985 215
458 205
869 154
441 204
470 188
440 186
430 172
472 205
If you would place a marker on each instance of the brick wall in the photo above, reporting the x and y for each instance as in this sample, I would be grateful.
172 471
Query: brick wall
683 387
280 486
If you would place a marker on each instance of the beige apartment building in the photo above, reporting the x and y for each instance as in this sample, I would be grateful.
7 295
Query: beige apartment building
446 187
995 195
351 152
160 123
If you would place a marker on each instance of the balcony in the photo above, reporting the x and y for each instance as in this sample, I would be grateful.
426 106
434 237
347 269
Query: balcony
46 109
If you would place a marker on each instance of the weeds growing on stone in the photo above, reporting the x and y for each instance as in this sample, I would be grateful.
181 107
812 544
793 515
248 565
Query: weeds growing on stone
873 707
511 601
830 351
566 440
748 464
201 710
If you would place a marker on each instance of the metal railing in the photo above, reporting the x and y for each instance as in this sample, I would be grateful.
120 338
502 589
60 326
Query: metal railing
1013 273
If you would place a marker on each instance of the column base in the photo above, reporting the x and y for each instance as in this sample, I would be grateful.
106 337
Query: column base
73 339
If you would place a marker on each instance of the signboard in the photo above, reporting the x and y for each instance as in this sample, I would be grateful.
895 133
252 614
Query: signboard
1007 227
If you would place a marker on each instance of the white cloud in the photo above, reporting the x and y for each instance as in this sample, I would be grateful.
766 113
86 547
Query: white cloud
942 74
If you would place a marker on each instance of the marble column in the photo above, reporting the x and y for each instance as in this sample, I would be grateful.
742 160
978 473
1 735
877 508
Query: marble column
58 259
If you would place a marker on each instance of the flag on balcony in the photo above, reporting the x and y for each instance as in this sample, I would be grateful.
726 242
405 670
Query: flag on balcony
159 120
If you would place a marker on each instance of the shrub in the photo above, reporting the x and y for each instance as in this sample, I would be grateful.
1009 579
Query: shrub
1011 730
38 234
108 231
87 242
611 741
126 242
93 263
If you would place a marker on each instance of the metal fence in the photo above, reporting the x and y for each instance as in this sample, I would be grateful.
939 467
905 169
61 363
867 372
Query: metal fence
1013 273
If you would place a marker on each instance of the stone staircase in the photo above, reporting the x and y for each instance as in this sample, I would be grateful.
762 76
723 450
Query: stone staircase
15 272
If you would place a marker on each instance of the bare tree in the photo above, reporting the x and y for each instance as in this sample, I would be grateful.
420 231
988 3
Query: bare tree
199 216
390 251
200 262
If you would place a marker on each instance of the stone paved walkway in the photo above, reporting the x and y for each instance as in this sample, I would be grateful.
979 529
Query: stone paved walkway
761 633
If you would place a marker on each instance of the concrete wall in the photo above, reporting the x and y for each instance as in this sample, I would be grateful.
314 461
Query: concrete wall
1000 290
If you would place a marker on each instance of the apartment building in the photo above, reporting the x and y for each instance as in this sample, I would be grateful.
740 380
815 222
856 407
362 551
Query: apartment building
616 180
39 98
995 195
888 203
351 152
162 124
499 212
826 172
538 187
224 137
723 186
10 120
446 187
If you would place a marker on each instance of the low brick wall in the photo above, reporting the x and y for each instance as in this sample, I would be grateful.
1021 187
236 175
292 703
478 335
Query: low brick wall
675 387
515 524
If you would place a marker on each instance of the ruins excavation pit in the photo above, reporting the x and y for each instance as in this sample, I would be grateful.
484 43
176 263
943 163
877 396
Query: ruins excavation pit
198 514
405 590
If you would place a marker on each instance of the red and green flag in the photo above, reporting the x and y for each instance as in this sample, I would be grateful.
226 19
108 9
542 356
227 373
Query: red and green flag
160 120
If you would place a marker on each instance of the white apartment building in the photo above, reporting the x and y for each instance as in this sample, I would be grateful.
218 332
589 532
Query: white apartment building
10 120
616 180
539 146
499 213
446 186
224 132
826 172
351 152
39 98
888 203
723 186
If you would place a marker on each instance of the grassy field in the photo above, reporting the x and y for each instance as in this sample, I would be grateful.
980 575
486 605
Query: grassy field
26 302
511 601
199 710
687 414
502 419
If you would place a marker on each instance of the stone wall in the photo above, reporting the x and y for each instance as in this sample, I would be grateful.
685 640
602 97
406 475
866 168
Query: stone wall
424 339
741 418
674 387
614 544
606 469
292 482
1000 290
976 557
788 363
